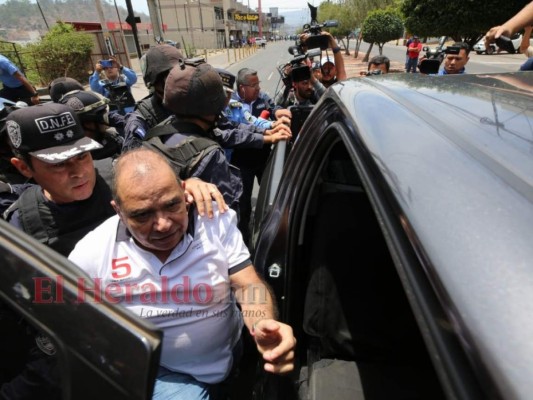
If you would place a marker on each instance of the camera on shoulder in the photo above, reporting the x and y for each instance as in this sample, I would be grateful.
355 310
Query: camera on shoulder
315 39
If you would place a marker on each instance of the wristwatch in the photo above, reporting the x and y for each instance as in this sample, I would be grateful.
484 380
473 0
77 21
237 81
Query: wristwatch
336 50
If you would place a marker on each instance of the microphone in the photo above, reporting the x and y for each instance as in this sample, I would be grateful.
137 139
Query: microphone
264 114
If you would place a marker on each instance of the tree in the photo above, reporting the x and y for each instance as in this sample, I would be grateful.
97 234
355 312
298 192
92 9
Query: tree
359 9
459 19
345 17
381 26
63 52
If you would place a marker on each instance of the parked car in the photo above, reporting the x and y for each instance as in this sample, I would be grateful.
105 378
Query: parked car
479 47
259 41
396 235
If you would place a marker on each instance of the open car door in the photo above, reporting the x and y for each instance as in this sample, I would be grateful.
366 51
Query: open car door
103 351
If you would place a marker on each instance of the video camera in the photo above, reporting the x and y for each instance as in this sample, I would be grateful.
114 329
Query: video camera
295 70
314 29
120 96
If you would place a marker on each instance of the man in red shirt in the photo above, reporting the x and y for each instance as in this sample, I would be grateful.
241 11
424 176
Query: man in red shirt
413 51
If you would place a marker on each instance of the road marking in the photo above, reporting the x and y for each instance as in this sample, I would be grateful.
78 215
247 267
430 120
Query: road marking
270 76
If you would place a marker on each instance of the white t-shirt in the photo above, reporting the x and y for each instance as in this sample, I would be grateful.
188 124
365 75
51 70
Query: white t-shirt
188 297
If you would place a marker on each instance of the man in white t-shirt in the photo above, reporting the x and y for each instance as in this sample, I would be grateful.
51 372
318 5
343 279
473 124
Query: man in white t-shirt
185 274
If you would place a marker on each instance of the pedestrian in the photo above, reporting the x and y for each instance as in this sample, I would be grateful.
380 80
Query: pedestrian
413 52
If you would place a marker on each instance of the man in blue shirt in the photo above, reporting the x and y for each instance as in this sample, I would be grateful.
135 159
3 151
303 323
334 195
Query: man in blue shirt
455 63
116 86
15 85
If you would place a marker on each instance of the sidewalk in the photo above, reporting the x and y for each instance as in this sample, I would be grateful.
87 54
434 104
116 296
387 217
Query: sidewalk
222 58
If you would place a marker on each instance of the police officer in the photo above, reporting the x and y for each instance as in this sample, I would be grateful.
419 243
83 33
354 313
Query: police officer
252 162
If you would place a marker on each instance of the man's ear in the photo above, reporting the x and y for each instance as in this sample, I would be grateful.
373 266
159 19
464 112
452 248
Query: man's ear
116 208
22 167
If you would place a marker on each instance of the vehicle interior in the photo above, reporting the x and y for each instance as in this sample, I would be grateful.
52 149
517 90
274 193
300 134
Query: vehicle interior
357 334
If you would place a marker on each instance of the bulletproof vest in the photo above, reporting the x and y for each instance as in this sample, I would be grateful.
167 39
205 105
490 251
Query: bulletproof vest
191 146
62 226
152 111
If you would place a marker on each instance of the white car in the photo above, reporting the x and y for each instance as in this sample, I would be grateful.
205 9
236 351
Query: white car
479 47
259 41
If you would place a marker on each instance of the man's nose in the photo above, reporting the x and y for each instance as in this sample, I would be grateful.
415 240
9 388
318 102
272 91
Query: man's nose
75 168
162 222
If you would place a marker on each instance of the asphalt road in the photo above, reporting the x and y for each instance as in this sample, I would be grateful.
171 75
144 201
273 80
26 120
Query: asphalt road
267 60
478 64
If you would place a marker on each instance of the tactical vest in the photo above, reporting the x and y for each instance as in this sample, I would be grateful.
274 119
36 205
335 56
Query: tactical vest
60 227
152 111
190 149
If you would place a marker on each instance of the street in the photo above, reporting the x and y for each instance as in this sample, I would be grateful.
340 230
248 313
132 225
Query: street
267 60
478 64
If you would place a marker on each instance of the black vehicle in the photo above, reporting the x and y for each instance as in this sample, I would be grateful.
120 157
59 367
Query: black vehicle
103 351
396 235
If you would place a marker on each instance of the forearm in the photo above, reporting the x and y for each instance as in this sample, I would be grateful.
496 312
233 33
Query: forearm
521 19
94 82
255 310
524 44
131 76
29 87
254 297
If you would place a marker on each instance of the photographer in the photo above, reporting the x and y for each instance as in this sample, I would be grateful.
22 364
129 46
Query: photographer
305 89
456 59
116 86
330 75
378 65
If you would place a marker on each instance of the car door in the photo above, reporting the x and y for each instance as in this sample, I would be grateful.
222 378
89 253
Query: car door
102 350
332 248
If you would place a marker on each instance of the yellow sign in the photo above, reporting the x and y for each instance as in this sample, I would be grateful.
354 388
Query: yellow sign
245 17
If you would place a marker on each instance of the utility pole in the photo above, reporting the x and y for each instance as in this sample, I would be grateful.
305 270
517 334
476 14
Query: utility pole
103 25
155 19
42 15
260 19
225 8
132 20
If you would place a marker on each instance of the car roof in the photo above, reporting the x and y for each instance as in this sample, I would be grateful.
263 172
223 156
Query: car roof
456 154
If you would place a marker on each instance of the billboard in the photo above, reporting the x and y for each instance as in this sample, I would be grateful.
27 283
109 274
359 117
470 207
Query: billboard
245 17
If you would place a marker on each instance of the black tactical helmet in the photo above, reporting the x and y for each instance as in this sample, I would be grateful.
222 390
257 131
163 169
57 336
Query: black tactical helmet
196 91
157 60
89 105
59 86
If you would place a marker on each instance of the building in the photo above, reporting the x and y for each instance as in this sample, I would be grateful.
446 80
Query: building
210 24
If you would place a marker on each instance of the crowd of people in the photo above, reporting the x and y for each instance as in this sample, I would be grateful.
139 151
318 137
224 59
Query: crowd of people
164 185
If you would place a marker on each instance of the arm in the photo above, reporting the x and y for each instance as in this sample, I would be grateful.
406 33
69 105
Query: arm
131 76
524 44
29 87
522 19
94 83
337 56
275 340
